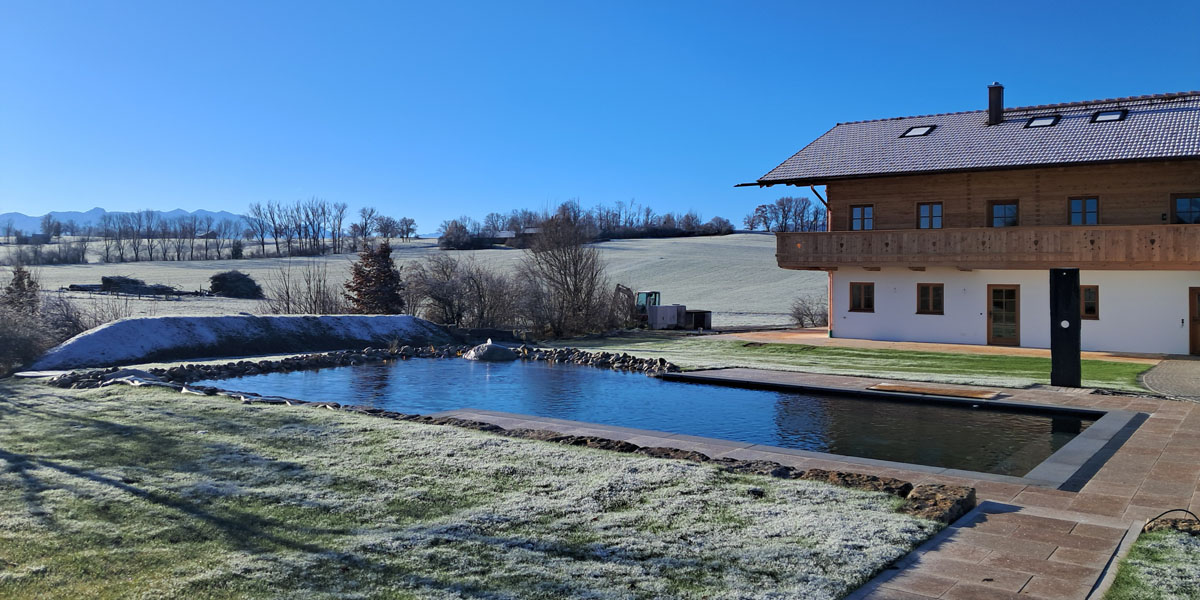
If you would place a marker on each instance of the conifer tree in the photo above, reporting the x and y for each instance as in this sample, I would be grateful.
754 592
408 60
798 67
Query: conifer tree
375 284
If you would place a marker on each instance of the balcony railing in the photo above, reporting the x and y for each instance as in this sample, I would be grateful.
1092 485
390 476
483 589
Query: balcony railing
1091 247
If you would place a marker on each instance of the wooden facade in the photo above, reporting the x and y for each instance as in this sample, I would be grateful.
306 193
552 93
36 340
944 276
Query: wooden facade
1129 194
1134 227
1166 247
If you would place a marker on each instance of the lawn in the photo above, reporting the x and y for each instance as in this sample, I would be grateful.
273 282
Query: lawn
1162 565
123 492
701 352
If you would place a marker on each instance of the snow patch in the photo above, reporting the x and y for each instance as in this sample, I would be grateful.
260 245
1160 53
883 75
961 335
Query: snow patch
143 339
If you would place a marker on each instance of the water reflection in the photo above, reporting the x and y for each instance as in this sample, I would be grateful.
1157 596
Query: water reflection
947 436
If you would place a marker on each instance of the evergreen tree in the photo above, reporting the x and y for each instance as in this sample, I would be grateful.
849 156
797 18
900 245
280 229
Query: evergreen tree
21 293
375 284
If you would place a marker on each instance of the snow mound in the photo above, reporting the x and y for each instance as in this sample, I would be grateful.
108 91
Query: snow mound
147 339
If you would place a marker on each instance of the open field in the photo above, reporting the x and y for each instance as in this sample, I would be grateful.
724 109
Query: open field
734 276
706 352
135 492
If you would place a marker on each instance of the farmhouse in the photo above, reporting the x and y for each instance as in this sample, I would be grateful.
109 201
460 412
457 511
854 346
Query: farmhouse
942 228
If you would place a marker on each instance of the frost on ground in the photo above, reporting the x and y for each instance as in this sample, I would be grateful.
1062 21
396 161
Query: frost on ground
1163 565
120 491
141 339
736 276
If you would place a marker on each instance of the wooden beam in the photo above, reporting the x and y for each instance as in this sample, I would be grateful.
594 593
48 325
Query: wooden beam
916 268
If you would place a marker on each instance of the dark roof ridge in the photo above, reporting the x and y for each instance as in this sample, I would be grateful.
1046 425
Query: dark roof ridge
1144 97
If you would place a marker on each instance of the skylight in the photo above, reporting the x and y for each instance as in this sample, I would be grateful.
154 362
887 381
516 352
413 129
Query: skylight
918 131
1105 116
1046 121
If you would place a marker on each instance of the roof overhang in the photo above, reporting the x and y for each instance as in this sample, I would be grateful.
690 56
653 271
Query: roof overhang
809 181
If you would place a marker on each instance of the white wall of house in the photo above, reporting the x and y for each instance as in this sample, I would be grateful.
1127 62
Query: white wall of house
1140 311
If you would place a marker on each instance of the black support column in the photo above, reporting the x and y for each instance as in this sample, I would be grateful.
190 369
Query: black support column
1066 341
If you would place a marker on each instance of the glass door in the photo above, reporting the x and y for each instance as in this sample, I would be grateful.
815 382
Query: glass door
1004 315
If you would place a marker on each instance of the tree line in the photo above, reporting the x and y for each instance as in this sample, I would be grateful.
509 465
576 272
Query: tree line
311 227
787 214
621 220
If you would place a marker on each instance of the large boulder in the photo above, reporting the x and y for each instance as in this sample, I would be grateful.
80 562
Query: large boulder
490 352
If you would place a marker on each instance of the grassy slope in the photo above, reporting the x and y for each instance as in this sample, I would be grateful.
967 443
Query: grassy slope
733 275
1160 566
977 369
123 492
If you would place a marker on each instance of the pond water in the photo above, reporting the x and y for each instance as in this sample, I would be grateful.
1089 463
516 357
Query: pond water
960 437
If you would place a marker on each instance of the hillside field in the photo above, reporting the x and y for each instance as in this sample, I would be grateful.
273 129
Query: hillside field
734 276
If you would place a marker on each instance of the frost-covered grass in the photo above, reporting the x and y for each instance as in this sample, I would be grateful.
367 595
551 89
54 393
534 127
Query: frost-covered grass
1162 565
975 369
123 492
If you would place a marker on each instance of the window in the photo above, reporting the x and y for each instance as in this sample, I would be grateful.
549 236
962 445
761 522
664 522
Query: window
1003 213
1084 211
918 131
929 215
1046 121
862 297
1089 302
930 298
1106 116
862 217
1185 209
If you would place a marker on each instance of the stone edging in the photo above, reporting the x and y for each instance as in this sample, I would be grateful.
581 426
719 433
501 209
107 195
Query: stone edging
936 502
343 358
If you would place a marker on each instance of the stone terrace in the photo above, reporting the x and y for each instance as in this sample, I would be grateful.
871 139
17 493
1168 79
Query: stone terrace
1023 541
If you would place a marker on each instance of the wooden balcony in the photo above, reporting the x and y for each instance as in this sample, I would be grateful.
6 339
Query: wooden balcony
1175 247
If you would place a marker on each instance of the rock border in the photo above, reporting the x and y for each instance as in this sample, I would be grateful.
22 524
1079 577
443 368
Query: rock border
935 502
191 372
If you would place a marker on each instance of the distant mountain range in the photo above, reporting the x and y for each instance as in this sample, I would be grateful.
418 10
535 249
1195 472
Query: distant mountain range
30 224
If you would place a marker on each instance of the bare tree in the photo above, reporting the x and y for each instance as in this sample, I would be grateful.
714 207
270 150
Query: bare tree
258 224
208 234
407 228
567 292
387 227
275 220
336 216
367 217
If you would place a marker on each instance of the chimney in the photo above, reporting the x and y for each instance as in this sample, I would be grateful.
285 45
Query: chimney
995 103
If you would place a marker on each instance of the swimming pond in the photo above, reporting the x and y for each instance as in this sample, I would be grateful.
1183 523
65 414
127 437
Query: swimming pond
935 434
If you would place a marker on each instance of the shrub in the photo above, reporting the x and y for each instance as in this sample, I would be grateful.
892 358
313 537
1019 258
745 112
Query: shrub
235 284
811 311
306 291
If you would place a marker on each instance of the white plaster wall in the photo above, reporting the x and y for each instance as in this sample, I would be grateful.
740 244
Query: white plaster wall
1140 311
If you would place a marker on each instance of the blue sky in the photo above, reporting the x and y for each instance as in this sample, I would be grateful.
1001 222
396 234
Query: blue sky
436 109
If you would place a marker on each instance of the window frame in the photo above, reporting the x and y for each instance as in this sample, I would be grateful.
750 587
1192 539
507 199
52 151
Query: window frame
850 213
1054 119
991 218
1096 115
931 310
941 217
1084 212
1175 198
863 285
1083 303
908 133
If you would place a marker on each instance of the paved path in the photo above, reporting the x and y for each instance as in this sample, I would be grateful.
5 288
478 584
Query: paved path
1177 378
1025 541
820 337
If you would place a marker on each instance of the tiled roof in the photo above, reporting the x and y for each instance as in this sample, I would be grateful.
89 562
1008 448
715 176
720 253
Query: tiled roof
1157 127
